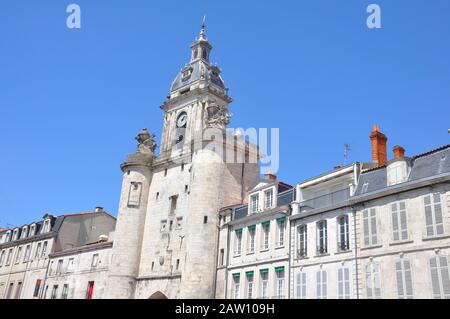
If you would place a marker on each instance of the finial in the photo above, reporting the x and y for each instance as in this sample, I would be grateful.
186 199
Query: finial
202 31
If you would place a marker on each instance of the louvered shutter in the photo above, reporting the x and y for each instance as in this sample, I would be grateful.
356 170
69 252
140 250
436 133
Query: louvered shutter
369 286
445 277
399 273
403 221
373 226
340 283
408 279
438 214
299 285
435 282
324 284
347 282
376 281
366 228
319 290
303 285
395 225
429 215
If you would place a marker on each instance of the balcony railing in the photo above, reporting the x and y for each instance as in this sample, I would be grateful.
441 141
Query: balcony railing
325 200
343 246
322 250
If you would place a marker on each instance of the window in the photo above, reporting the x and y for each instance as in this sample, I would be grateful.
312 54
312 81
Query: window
51 269
24 232
344 283
433 215
94 261
18 290
90 290
15 234
343 233
18 255
251 239
238 242
404 279
205 220
321 291
281 223
268 198
32 230
249 289
222 257
44 250
59 267
38 250
265 235
54 292
27 253
46 227
2 257
236 286
8 259
254 203
37 288
264 274
301 285
370 227
302 241
399 223
10 290
177 265
373 283
279 272
440 277
173 204
364 187
65 291
70 265
322 237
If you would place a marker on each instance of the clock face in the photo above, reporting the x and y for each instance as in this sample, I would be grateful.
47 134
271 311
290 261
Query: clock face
182 120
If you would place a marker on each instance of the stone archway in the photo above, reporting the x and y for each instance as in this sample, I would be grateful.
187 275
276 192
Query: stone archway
158 295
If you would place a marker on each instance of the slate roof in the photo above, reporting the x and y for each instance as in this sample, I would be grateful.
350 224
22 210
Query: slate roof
432 163
212 75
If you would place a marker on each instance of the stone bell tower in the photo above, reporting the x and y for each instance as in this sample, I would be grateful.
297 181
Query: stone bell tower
167 247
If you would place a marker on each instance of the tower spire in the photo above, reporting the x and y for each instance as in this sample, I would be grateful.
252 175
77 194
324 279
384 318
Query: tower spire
202 31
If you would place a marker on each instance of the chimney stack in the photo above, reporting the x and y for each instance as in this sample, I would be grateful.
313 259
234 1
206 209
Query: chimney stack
270 176
399 152
379 141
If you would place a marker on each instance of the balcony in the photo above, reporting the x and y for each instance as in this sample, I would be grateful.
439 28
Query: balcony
343 246
327 200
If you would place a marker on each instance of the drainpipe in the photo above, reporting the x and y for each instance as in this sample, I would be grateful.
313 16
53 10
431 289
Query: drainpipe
228 258
355 239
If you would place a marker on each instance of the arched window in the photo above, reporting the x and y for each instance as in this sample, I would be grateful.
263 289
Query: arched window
205 54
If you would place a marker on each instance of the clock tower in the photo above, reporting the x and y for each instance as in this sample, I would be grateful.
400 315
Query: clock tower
166 238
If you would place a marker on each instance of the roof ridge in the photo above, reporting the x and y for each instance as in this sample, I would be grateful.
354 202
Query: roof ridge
431 151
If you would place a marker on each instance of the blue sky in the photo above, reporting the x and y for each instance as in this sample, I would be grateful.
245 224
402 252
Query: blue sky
72 101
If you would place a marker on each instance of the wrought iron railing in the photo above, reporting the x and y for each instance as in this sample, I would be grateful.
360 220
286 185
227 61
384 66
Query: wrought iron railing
325 200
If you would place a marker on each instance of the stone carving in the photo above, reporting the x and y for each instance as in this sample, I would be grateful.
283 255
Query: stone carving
146 142
217 116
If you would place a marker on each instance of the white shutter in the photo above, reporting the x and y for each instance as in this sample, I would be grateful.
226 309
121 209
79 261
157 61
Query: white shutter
429 215
366 228
318 288
369 284
445 277
299 285
438 214
408 279
399 272
347 282
377 280
373 226
340 283
304 285
395 226
435 282
403 221
324 284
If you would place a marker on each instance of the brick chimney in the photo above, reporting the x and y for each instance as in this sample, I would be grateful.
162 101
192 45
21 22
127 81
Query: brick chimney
379 141
399 152
270 176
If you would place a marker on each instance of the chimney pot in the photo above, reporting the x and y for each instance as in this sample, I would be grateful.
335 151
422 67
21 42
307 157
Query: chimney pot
399 152
99 209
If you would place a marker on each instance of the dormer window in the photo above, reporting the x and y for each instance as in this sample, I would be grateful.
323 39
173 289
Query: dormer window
205 54
186 74
24 232
32 230
46 227
397 172
15 234
254 200
8 236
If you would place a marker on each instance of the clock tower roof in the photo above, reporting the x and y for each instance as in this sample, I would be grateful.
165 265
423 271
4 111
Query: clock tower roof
199 69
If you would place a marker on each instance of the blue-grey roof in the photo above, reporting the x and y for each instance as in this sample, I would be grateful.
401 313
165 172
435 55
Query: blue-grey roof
212 74
433 163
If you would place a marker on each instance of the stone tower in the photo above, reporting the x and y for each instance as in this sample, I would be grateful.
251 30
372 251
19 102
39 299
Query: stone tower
165 245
